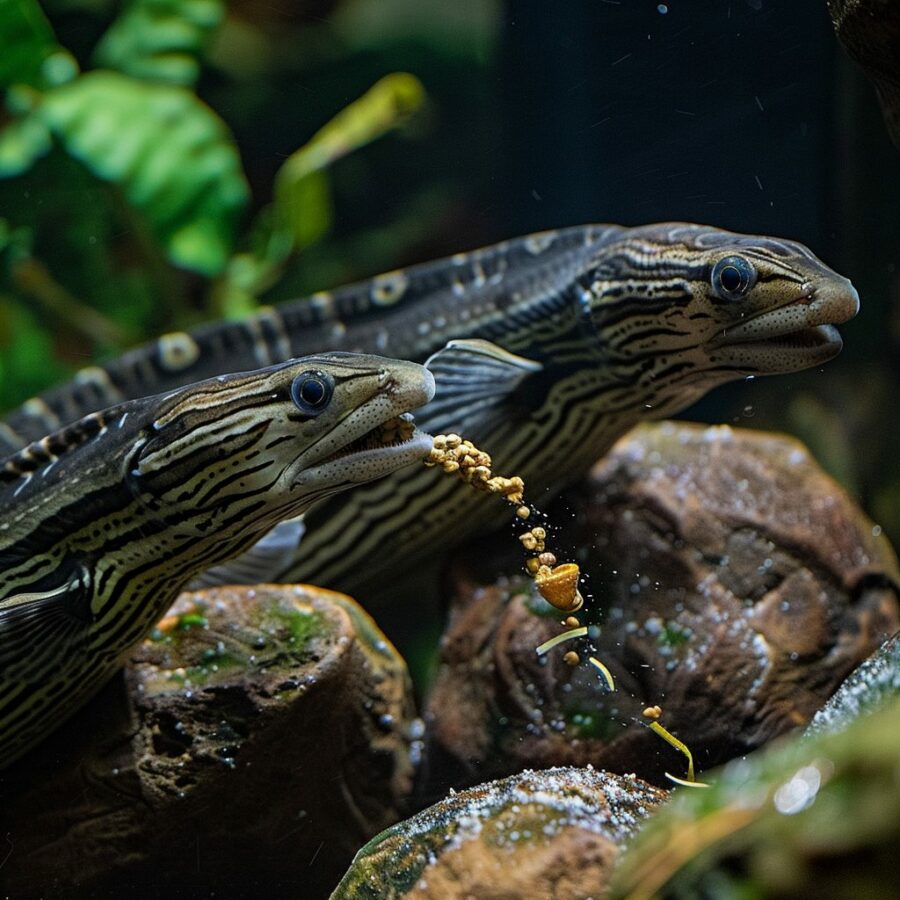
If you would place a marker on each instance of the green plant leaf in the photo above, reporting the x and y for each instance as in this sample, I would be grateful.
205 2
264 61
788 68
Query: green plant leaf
173 158
21 144
302 212
30 54
302 195
160 40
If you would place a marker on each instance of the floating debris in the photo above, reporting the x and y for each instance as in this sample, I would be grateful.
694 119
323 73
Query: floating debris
654 713
556 583
607 675
685 783
560 638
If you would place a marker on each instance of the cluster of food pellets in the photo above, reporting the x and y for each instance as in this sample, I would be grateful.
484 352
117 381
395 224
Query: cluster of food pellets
454 454
557 584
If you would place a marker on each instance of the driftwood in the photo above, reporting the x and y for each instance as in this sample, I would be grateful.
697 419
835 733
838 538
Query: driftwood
870 32
253 745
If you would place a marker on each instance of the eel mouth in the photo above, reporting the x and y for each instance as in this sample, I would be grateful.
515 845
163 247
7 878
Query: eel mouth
797 334
396 433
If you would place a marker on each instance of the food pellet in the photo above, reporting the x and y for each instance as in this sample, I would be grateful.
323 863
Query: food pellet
571 658
557 584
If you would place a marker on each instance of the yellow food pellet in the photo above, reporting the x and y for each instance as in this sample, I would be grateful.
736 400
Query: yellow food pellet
652 712
523 512
559 586
571 658
532 565
571 622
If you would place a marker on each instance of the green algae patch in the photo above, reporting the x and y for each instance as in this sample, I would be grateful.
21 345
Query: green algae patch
195 647
214 663
293 627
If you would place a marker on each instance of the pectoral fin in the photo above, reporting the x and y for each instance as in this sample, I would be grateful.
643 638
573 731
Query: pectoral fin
474 379
263 562
39 628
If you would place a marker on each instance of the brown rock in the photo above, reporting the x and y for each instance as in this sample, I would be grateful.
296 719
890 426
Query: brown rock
735 584
554 834
870 32
255 743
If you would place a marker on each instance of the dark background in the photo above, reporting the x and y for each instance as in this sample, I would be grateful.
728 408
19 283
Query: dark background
743 114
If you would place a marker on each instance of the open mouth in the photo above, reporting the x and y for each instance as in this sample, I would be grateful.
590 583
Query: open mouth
805 323
399 431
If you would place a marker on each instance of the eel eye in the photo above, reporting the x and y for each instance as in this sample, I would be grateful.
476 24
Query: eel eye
311 392
732 277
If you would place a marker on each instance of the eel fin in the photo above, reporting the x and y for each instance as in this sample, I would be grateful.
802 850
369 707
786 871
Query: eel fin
38 628
473 378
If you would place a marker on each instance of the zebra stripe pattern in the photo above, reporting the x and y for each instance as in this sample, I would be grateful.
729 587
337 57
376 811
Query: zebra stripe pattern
104 522
623 323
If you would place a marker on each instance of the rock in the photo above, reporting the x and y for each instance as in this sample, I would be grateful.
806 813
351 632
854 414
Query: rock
735 584
813 818
253 743
872 685
554 834
870 33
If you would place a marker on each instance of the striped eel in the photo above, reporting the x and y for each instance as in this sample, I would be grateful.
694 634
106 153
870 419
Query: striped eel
594 328
106 520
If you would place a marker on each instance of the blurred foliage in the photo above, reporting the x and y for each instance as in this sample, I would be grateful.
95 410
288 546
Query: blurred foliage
165 162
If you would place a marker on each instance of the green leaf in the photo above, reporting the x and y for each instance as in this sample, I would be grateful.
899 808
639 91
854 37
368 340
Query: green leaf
21 144
302 196
160 40
30 54
173 158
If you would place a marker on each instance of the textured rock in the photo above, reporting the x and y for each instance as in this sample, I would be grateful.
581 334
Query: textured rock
874 684
813 818
870 32
254 743
736 585
555 834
